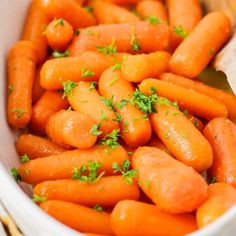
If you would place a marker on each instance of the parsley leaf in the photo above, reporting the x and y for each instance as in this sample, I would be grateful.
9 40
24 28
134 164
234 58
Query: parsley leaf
128 174
57 54
95 130
180 31
98 207
118 117
38 199
134 41
108 50
108 102
153 20
68 87
117 66
86 73
111 140
91 168
59 22
92 86
24 158
20 112
10 88
88 9
15 174
122 103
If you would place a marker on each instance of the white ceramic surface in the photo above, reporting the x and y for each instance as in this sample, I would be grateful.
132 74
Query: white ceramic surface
31 220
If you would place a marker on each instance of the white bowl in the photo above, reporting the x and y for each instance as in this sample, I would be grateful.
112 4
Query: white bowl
29 217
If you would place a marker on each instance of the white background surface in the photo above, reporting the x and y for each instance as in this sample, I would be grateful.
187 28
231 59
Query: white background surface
29 217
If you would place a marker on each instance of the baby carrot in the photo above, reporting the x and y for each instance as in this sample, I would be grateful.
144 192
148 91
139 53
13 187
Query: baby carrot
21 72
123 2
69 10
109 13
135 129
146 65
153 11
87 67
137 218
197 50
78 217
48 104
37 90
199 104
171 185
221 134
227 99
59 34
71 128
180 135
139 37
35 146
156 142
184 15
35 24
61 166
107 191
85 99
220 198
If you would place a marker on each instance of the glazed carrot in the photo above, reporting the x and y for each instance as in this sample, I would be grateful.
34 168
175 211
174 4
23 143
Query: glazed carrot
137 218
37 90
197 50
78 217
80 2
171 185
140 37
108 13
156 142
220 198
87 67
146 65
199 104
59 34
180 135
226 98
69 10
123 2
35 24
35 146
182 19
85 99
21 72
106 192
135 129
71 128
152 10
221 134
60 166
48 104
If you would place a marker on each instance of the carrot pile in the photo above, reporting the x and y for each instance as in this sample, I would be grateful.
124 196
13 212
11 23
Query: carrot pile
122 138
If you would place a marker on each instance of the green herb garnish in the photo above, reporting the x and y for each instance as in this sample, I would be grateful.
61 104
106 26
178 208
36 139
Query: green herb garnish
180 31
95 130
24 158
38 199
15 174
111 140
20 112
68 87
153 20
98 207
57 54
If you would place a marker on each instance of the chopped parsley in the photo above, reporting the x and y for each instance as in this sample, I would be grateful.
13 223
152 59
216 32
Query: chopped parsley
111 139
180 31
108 102
20 112
128 174
86 73
122 103
15 174
60 22
57 54
24 158
38 199
91 168
108 50
153 20
92 86
98 208
134 41
68 87
10 88
118 117
95 130
117 66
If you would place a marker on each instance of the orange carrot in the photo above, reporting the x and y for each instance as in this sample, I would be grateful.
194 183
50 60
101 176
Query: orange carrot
87 67
153 11
184 15
172 186
48 104
156 142
35 24
59 34
228 99
106 192
180 135
140 37
221 197
197 50
123 2
69 10
21 73
108 13
60 166
221 134
145 66
78 217
85 99
35 146
37 90
199 104
71 128
135 130
137 218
